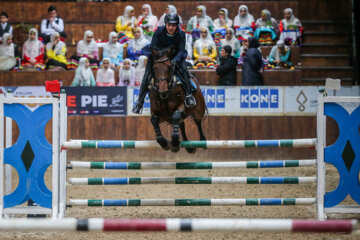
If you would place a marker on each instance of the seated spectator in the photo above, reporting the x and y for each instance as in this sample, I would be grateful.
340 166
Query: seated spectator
169 9
127 22
189 49
105 76
244 23
221 24
127 74
86 48
136 44
253 65
84 77
56 53
33 52
231 41
114 51
223 21
280 56
52 24
5 26
227 68
147 21
9 54
266 28
205 50
199 21
140 70
290 28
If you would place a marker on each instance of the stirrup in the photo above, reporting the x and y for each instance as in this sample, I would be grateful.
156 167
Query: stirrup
190 98
137 109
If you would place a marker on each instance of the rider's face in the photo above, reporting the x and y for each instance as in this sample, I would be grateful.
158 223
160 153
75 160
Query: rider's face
171 28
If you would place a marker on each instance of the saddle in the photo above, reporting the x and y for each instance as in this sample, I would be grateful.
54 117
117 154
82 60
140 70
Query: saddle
179 81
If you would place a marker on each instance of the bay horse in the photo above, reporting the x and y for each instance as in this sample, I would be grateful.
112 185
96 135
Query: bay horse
167 102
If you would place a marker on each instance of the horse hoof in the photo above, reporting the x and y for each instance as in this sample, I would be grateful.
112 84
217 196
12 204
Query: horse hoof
191 150
174 149
163 142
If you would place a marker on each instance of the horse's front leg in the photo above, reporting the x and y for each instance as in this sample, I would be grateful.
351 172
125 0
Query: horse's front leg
164 143
175 136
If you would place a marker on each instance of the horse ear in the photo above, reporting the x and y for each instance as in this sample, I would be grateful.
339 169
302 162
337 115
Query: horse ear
154 52
172 52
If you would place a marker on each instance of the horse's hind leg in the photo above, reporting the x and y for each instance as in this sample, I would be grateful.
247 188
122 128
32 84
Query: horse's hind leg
175 136
201 133
183 133
159 137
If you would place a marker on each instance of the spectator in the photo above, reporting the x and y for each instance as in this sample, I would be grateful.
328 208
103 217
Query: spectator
86 48
199 21
243 49
231 41
147 21
127 22
84 77
105 76
189 49
136 44
205 50
56 52
33 52
52 24
127 74
244 23
280 56
140 70
227 68
223 21
114 51
5 26
290 28
253 65
169 9
266 28
9 54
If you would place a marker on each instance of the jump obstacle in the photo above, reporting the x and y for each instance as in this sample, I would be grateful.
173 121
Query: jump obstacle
325 202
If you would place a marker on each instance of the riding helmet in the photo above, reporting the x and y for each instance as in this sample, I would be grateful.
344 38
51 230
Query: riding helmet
172 18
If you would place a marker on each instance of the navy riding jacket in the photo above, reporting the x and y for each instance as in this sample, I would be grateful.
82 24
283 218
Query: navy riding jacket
161 39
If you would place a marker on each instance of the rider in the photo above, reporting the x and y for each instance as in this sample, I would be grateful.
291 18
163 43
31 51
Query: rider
166 36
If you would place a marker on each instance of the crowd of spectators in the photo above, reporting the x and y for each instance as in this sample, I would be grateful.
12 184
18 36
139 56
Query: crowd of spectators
208 43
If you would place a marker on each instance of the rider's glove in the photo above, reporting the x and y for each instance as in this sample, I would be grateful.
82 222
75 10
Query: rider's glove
174 62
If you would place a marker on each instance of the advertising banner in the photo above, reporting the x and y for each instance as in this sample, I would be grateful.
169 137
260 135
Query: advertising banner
96 100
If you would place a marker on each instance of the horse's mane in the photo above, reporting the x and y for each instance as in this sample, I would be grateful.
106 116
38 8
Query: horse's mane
161 52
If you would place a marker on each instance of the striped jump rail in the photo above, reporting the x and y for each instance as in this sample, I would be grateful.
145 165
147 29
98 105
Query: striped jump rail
295 143
191 202
179 224
191 180
190 165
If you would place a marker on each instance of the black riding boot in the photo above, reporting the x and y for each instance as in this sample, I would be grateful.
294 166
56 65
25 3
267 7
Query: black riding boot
137 109
189 98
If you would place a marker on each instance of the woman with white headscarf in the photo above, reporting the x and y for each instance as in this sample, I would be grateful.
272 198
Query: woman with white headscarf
147 21
205 50
266 28
86 48
113 50
223 21
244 23
127 22
290 27
230 40
56 52
33 51
200 20
140 70
169 9
136 44
280 56
9 53
83 76
105 76
127 74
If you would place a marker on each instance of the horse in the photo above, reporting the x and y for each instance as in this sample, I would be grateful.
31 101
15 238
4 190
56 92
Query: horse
167 102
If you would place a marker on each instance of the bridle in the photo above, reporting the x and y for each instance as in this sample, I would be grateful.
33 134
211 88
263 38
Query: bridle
170 80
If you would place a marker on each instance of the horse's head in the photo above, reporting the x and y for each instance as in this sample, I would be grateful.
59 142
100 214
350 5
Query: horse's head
163 70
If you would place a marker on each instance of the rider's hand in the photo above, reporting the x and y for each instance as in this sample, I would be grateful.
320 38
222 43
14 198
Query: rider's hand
174 62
